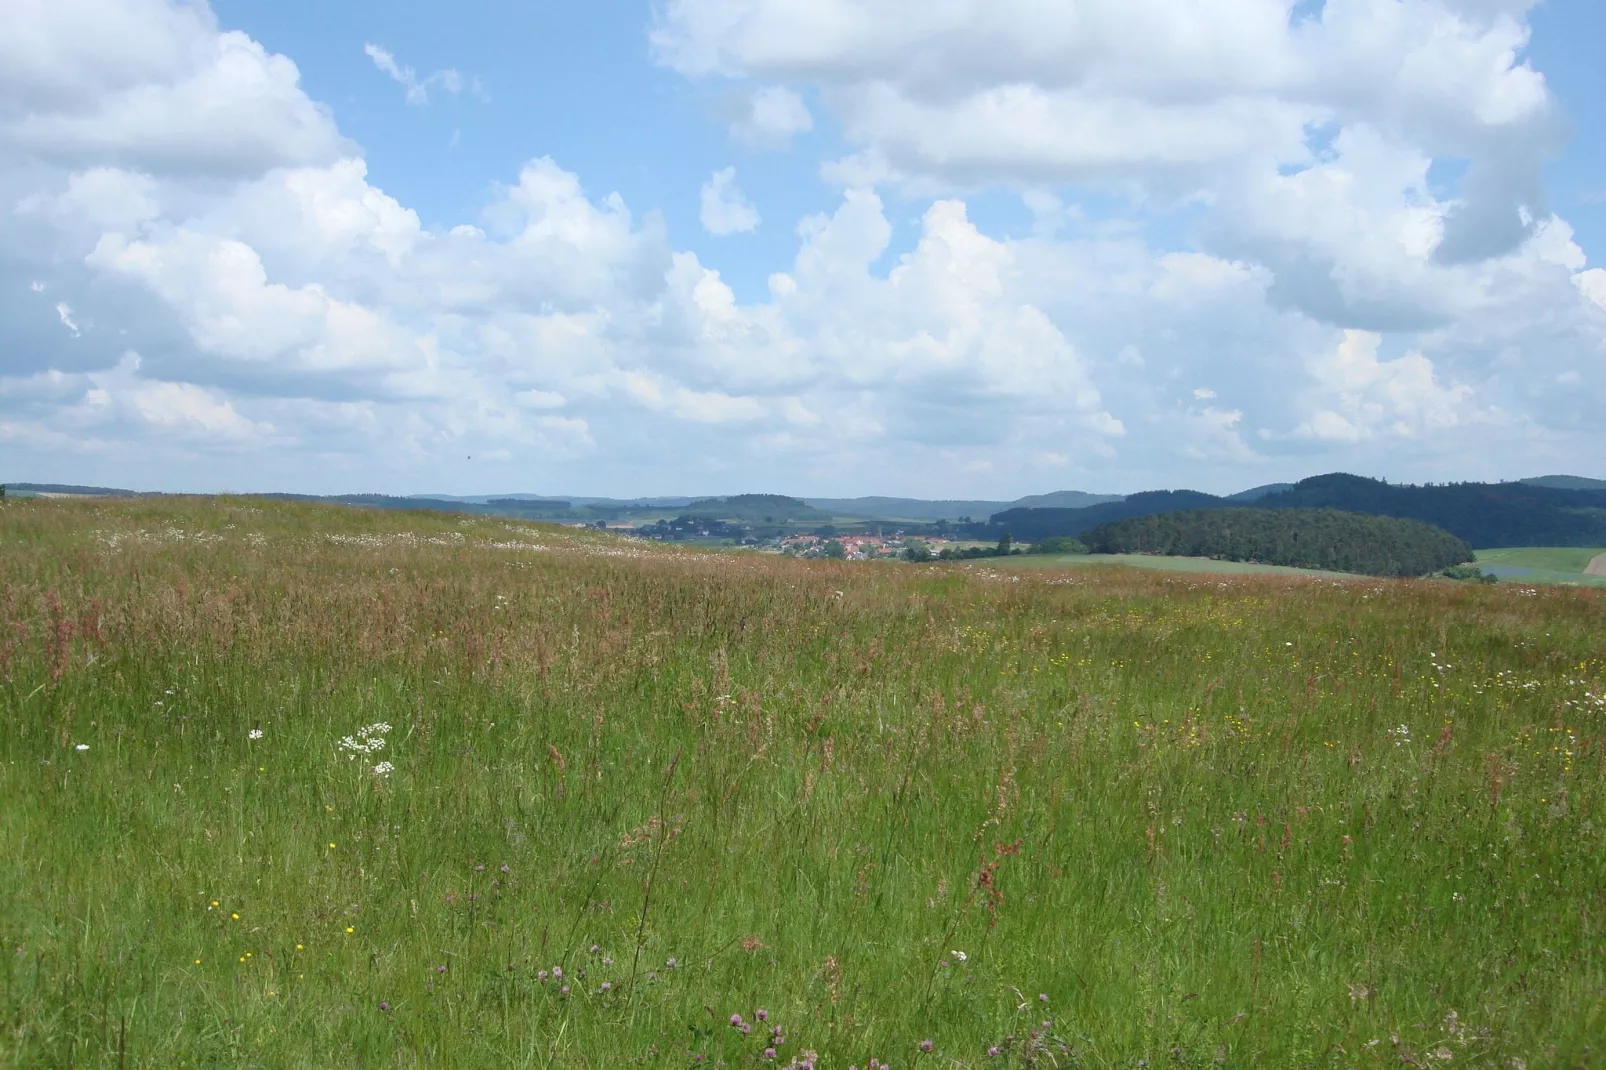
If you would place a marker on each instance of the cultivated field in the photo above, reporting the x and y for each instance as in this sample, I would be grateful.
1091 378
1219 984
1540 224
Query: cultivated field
1544 564
1093 817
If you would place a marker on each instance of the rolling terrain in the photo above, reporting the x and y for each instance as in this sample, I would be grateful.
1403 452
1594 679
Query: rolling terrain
285 783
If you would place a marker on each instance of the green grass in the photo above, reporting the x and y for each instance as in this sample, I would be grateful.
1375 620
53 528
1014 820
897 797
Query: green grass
1243 820
1543 564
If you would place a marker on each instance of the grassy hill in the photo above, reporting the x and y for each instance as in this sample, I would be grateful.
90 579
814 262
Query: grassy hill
1085 818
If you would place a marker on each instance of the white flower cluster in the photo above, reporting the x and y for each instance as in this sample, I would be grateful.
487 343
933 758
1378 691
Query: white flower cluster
370 739
1401 734
384 769
255 733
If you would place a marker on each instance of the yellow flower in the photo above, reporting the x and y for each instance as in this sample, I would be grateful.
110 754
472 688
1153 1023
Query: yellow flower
298 947
242 958
236 917
331 847
197 962
349 929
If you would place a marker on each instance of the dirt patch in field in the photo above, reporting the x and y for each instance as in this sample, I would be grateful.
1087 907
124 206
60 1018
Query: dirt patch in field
1596 566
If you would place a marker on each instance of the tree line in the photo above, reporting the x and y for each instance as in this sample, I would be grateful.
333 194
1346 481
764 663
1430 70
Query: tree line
1303 538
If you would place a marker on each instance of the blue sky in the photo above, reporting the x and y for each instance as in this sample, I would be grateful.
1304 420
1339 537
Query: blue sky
708 246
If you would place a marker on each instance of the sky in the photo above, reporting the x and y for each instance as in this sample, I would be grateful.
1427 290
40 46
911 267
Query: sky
953 249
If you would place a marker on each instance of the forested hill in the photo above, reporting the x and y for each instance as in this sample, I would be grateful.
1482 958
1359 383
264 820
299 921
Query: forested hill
1484 514
1304 538
1030 525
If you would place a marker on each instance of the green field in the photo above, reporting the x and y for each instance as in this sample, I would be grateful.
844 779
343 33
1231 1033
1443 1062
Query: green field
1089 817
1542 564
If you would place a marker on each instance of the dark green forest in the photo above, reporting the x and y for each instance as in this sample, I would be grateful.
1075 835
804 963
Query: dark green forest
1484 514
1304 538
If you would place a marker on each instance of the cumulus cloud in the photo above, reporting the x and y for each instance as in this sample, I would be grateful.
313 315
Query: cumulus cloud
152 85
771 116
724 209
1226 102
180 297
1362 396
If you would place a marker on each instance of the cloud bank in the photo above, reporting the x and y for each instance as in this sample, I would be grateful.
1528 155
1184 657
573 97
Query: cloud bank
201 286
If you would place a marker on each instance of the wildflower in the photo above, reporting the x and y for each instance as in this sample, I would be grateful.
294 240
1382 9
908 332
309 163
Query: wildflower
541 976
197 962
1042 997
736 1021
557 973
959 956
925 1046
349 929
82 746
331 847
606 987
564 991
441 968
384 769
769 1053
383 1006
504 869
255 733
234 917
762 1015
993 1052
300 948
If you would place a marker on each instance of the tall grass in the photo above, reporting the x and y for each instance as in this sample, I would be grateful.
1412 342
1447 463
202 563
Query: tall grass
1080 818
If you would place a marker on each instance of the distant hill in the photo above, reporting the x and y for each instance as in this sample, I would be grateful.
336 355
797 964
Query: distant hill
64 488
755 508
1030 525
1565 482
1256 493
949 509
606 503
1483 514
1303 538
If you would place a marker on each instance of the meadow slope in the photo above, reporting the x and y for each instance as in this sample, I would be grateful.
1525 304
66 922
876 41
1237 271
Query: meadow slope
628 797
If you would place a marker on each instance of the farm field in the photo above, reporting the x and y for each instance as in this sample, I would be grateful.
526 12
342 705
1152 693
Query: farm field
297 785
1542 564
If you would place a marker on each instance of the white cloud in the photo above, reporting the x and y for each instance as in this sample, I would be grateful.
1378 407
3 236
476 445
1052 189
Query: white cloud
1209 102
1592 284
290 311
1364 397
724 209
64 311
774 115
152 85
417 88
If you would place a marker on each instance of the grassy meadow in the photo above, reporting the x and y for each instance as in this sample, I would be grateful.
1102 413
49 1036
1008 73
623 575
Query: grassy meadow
1021 818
